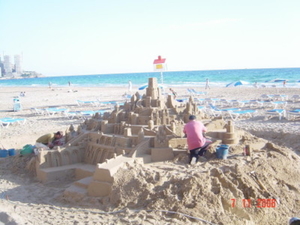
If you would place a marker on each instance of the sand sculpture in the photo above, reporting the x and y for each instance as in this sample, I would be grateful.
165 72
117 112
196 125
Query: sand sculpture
148 128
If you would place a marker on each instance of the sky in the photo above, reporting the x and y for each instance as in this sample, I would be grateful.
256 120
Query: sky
75 37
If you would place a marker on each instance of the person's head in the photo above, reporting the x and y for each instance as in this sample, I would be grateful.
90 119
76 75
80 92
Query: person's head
192 117
59 134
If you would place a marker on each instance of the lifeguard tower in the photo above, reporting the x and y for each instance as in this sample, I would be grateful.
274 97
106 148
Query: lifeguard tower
17 104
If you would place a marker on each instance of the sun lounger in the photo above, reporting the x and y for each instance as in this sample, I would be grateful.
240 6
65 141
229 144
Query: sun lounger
277 112
278 103
37 111
239 103
295 98
92 103
53 111
215 111
292 114
280 97
5 122
236 114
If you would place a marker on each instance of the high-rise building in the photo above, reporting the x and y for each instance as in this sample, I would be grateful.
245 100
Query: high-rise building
18 66
7 65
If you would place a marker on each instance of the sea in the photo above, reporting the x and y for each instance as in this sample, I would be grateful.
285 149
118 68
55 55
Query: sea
217 78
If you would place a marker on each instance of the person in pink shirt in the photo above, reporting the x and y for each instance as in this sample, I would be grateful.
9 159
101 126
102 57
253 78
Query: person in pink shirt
197 143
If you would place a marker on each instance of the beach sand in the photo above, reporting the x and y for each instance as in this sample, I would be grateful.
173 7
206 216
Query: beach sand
26 201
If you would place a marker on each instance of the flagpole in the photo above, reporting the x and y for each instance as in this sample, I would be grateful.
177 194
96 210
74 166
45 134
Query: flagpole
161 77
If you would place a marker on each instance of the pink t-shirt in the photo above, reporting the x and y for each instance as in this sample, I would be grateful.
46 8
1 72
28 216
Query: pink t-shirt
194 129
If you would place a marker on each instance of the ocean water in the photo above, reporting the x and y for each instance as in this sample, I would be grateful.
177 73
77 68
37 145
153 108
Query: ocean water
218 78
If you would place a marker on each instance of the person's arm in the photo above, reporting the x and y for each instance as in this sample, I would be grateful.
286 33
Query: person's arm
50 141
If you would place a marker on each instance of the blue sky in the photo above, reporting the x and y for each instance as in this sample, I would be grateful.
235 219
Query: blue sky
72 37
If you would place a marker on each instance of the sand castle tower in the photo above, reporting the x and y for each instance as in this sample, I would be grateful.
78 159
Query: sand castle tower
229 137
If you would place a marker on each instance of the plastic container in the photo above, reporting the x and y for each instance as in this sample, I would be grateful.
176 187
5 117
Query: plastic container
11 152
294 221
222 151
3 153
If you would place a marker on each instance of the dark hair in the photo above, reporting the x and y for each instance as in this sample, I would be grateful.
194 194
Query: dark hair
59 133
192 117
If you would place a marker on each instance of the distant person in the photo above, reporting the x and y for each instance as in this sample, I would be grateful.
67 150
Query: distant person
207 84
173 92
129 86
197 143
48 141
284 83
69 84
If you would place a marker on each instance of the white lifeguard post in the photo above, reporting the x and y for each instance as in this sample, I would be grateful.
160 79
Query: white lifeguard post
17 104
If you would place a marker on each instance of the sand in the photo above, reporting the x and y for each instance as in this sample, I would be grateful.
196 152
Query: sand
160 193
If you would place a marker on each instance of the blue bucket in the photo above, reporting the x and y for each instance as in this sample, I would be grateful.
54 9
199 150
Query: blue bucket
222 151
11 152
3 153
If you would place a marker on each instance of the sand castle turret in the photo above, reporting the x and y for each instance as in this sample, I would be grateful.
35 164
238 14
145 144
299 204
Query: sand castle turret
230 136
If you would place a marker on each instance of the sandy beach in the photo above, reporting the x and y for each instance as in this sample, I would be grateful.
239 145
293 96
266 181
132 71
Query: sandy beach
24 200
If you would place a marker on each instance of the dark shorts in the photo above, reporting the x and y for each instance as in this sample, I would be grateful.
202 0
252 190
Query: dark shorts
199 151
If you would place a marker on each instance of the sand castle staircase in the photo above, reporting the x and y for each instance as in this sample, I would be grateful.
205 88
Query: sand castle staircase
100 183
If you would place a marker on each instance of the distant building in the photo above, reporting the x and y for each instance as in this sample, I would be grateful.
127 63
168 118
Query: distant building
18 67
7 66
8 69
1 68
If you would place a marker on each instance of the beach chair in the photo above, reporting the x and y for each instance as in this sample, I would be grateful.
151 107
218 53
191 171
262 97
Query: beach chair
73 114
212 101
277 112
293 114
239 103
181 100
237 114
83 103
280 97
266 97
37 111
256 103
53 111
215 111
5 122
276 104
295 98
224 102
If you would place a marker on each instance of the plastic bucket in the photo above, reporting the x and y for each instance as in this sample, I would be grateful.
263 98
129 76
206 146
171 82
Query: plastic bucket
222 151
3 153
11 152
294 221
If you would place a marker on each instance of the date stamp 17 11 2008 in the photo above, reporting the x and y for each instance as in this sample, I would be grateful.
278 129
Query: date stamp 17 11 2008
258 203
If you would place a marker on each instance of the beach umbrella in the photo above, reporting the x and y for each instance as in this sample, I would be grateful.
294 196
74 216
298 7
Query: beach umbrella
277 80
237 83
146 85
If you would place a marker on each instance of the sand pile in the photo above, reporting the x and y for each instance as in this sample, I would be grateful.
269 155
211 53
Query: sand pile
206 189
213 190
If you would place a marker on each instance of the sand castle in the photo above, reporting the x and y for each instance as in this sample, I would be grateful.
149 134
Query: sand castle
148 128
